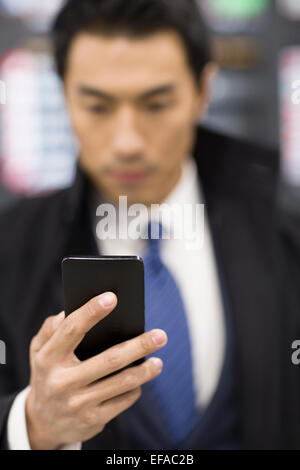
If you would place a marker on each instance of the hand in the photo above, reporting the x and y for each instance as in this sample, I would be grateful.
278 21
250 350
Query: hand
70 400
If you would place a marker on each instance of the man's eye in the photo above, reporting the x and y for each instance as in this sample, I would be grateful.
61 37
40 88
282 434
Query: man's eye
98 109
155 107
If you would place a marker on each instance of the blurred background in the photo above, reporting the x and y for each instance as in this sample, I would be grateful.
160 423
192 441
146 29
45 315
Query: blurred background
256 94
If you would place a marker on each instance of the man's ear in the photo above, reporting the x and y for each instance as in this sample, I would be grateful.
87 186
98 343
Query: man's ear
205 88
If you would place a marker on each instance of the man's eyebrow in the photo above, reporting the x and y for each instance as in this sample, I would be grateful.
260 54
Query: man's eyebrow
98 93
95 92
160 90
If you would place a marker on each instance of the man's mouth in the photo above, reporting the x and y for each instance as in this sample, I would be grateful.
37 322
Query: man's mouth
131 176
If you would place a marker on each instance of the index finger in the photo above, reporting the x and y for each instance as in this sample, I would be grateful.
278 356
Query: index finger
120 356
73 329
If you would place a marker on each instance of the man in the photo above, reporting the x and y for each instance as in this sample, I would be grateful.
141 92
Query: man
137 78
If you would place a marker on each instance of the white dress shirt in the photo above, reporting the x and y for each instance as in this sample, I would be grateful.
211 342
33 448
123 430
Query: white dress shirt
194 269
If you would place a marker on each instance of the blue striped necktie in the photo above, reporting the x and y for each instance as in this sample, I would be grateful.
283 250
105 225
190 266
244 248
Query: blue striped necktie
173 389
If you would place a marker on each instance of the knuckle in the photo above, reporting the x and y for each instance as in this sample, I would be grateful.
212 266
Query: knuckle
69 327
74 404
129 381
92 307
145 343
89 418
39 361
113 359
56 384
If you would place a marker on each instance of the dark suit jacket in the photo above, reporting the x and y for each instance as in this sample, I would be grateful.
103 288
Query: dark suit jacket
258 250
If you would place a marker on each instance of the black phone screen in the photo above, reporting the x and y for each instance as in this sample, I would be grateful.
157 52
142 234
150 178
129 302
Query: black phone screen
86 277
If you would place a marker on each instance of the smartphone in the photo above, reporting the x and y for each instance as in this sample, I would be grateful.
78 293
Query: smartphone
86 277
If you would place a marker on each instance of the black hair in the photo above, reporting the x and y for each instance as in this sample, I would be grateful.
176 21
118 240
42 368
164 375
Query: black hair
134 18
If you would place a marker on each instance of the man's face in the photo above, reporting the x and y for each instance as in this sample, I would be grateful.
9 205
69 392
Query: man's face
133 105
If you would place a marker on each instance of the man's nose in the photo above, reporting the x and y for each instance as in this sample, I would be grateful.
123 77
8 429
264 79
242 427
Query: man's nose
128 142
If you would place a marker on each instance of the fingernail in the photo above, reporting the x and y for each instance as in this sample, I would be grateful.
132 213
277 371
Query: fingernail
106 300
159 337
158 363
58 319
